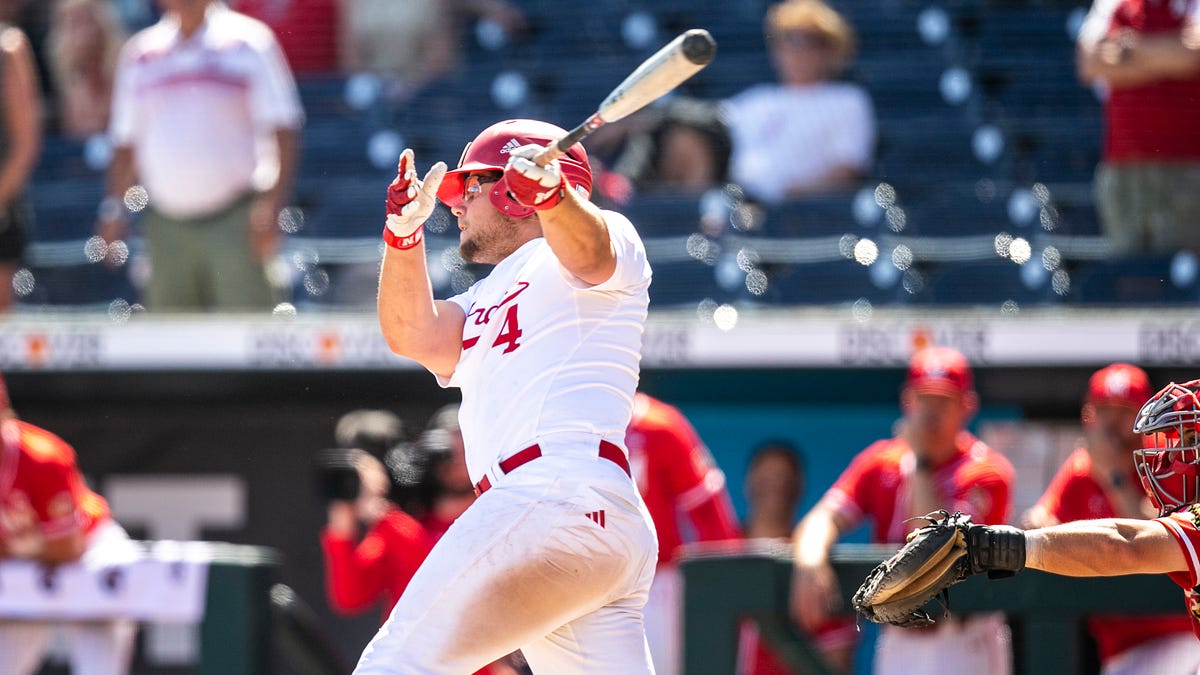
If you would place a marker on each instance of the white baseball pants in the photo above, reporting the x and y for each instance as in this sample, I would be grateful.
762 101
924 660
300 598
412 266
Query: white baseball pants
556 559
980 644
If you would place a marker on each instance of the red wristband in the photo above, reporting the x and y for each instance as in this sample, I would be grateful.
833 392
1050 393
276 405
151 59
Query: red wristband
403 243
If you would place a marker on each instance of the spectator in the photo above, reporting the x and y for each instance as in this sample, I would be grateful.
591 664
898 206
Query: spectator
808 133
84 41
205 117
678 481
1147 56
374 568
20 143
932 463
49 515
307 31
409 43
774 488
682 145
452 490
1099 481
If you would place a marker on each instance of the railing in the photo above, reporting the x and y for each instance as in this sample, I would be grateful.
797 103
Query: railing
723 588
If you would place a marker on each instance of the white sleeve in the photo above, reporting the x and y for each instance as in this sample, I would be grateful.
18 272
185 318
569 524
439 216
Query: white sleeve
1097 22
633 268
855 141
463 300
274 98
123 122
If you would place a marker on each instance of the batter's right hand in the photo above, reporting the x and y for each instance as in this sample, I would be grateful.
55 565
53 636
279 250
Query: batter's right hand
815 595
410 201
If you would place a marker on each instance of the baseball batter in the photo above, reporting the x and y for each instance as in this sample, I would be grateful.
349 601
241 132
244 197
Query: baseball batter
557 554
48 514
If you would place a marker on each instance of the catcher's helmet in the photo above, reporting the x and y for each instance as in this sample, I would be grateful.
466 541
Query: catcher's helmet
1169 464
489 152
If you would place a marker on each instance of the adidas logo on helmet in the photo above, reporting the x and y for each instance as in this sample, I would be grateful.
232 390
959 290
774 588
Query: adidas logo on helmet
508 147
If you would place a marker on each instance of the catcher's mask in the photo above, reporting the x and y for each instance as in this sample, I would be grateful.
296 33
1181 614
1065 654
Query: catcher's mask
489 152
1169 464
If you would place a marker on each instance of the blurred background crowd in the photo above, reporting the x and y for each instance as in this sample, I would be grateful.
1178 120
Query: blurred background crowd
896 153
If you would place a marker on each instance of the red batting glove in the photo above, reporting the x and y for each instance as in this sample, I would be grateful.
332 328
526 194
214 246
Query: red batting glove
539 187
410 201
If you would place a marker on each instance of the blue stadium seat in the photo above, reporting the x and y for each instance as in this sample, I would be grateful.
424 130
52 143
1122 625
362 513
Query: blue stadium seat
1138 281
984 282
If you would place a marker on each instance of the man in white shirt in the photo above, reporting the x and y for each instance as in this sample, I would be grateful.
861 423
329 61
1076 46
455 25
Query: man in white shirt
557 554
205 120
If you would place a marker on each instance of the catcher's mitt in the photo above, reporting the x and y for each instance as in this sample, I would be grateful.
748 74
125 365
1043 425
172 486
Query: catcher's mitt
934 559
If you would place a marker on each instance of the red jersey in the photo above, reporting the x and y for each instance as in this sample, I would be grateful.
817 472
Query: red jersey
1184 525
38 471
976 480
1155 121
380 565
1073 494
307 31
677 476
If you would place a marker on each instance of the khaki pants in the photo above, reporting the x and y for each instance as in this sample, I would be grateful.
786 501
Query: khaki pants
1149 208
205 263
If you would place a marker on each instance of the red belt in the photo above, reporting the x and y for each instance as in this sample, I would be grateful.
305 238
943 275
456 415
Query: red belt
608 451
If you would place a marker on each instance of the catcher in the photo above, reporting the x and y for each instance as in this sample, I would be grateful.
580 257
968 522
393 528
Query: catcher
950 548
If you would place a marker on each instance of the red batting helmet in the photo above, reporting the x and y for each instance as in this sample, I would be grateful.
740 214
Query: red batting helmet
1169 465
489 152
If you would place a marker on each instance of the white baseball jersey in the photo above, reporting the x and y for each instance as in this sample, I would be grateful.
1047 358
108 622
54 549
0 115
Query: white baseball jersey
557 558
548 359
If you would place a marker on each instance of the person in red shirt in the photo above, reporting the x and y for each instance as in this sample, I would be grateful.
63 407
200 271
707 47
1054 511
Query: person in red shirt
359 574
1146 55
1099 481
679 481
932 463
48 514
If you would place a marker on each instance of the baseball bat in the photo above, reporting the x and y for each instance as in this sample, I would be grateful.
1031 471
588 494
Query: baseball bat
666 69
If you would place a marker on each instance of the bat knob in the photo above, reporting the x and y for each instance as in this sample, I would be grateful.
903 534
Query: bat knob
699 47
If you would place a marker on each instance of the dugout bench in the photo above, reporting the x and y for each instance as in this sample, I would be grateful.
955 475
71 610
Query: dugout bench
226 588
725 585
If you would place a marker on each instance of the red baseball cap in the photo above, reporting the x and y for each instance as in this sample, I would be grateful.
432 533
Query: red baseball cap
1120 384
940 370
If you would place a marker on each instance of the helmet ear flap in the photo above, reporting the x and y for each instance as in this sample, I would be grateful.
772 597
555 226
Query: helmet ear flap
505 203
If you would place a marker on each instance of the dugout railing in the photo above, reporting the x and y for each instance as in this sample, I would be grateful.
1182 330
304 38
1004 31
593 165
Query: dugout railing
725 587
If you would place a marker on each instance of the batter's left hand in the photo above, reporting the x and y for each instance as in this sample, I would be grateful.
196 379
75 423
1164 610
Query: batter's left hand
540 187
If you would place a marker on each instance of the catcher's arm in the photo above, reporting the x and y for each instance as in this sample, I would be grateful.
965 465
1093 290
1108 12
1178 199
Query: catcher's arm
1103 548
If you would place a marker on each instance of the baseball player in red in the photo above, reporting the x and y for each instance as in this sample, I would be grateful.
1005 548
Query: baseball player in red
48 514
556 555
678 479
932 463
1099 481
